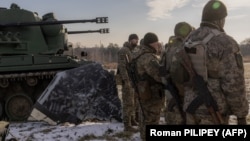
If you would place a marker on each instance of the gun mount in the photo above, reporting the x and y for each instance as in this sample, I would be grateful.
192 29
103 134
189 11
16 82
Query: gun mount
31 53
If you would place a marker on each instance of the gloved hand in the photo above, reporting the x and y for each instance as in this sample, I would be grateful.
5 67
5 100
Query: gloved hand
126 83
242 121
162 71
118 79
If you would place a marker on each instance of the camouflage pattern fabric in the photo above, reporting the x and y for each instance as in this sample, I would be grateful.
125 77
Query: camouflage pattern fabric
151 95
173 116
128 103
125 50
225 82
170 51
1 110
137 108
204 119
171 111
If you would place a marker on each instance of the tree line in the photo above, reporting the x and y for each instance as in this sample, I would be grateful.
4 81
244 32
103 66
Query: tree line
103 55
245 47
106 55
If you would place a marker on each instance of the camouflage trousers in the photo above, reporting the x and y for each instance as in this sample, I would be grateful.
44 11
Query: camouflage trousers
150 113
128 104
137 107
174 117
204 119
172 113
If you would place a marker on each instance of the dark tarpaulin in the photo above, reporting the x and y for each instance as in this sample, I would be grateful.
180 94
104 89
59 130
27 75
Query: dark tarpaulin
79 94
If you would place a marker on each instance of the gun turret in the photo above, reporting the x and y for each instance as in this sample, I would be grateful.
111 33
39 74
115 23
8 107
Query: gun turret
31 53
25 32
102 31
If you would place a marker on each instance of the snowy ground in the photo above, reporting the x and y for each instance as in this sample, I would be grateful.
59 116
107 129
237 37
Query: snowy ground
87 131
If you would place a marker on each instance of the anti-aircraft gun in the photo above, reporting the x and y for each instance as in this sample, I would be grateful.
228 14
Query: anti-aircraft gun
31 53
102 31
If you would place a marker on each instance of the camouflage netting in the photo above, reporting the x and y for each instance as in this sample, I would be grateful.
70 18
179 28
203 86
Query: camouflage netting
80 94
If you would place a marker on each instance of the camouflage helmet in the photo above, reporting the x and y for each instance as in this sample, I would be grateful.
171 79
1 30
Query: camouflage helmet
142 41
182 29
171 40
214 10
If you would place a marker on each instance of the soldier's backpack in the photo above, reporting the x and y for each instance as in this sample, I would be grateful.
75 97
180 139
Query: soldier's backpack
196 51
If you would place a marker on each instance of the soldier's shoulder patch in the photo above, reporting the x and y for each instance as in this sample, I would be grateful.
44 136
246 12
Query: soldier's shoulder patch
154 63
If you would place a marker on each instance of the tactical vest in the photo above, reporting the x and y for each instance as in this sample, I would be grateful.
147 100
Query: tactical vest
197 53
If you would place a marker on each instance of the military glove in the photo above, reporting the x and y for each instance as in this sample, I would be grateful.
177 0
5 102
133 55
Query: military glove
162 71
125 83
118 79
242 121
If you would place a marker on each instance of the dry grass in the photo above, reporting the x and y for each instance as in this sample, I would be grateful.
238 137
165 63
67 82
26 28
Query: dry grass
110 65
246 59
247 79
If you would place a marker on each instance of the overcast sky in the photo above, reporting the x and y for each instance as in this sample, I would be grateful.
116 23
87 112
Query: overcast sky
135 16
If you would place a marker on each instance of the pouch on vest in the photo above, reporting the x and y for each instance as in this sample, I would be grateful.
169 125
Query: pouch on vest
197 52
178 73
144 91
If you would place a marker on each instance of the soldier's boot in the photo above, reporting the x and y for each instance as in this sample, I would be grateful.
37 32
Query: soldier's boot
127 124
130 129
137 116
133 121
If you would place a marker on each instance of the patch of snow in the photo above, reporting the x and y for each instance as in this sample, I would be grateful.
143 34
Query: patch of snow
42 131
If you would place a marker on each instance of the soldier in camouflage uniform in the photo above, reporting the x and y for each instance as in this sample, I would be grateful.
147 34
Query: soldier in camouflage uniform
225 71
173 111
128 103
151 95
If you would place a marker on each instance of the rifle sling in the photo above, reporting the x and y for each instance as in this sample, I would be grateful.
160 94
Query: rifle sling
193 106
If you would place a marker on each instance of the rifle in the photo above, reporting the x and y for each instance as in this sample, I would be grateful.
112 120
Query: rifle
133 76
204 96
170 86
132 73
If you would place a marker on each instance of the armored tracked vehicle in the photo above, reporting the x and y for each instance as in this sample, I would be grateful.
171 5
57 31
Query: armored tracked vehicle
31 53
